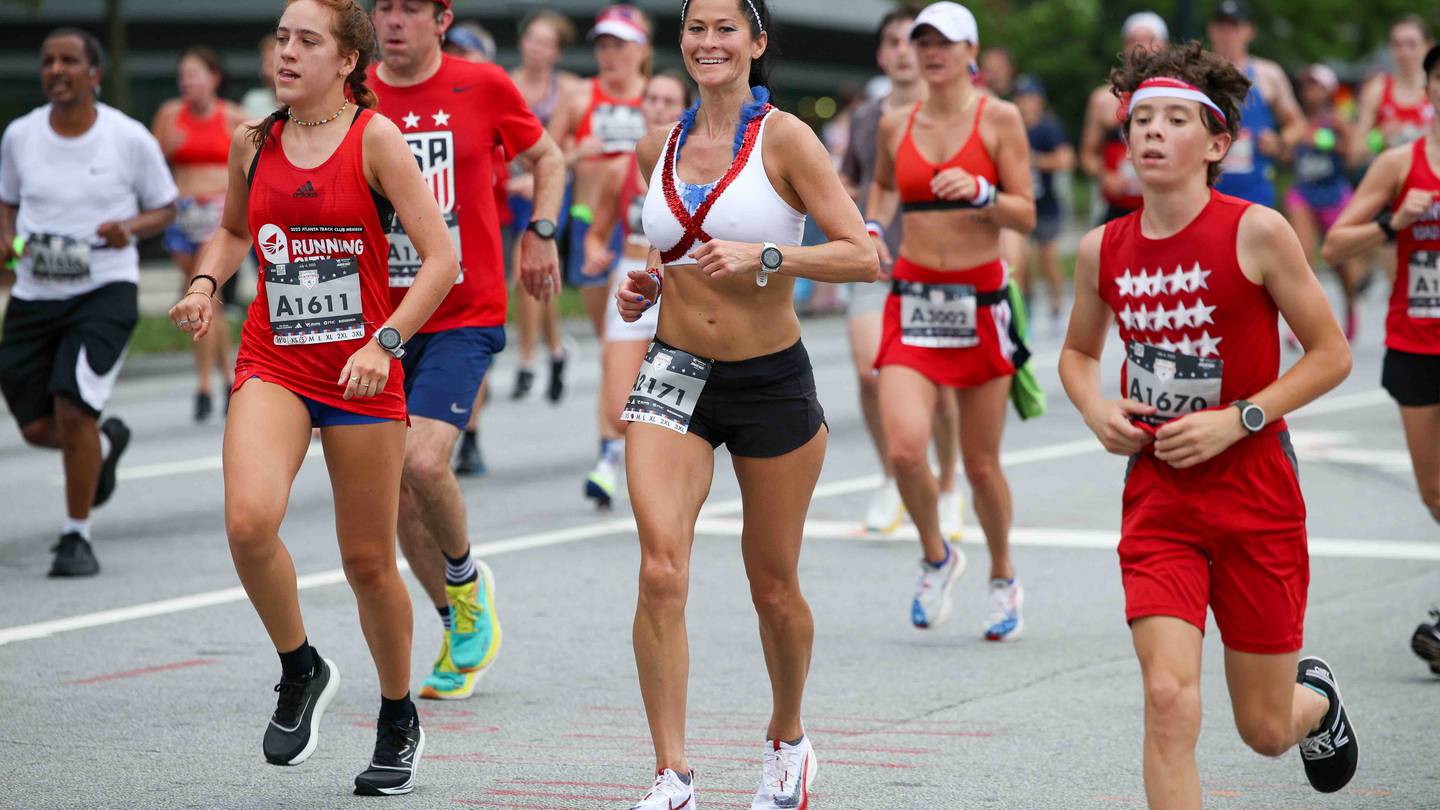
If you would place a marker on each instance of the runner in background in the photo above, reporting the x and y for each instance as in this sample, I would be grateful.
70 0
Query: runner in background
622 349
1321 189
895 55
1394 109
1050 155
1271 123
996 75
80 183
259 102
1399 202
1102 141
194 132
544 37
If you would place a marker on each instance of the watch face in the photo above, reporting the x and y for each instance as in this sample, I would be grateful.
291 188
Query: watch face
543 228
770 258
1253 417
389 339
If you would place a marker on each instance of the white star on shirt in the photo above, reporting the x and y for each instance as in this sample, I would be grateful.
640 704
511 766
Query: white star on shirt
1142 319
442 119
411 120
1200 314
1126 284
1127 317
1182 316
1207 345
1195 279
1145 285
1185 346
1160 318
1176 280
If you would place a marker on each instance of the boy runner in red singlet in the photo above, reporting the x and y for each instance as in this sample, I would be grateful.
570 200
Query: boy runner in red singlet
1213 515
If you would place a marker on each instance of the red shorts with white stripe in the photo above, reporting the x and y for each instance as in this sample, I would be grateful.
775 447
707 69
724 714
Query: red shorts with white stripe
1228 534
903 342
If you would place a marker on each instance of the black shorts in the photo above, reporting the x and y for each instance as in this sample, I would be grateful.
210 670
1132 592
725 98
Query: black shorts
759 408
1413 380
1047 229
70 348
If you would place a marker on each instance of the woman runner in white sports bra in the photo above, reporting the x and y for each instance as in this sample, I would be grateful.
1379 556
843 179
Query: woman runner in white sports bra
728 188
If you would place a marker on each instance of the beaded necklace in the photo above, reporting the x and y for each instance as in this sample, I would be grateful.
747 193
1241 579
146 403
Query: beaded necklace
295 120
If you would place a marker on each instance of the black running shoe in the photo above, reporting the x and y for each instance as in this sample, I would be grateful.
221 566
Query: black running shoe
524 381
1426 642
398 747
556 391
119 436
203 407
74 557
470 461
295 727
1330 753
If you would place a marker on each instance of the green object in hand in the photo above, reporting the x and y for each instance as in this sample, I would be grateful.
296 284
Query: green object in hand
1376 141
1325 139
582 213
18 246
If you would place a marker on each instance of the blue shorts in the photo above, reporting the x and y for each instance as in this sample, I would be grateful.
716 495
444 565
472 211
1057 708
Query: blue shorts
323 416
575 258
192 228
443 370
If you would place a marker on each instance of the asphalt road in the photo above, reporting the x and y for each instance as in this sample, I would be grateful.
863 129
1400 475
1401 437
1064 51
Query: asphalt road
150 685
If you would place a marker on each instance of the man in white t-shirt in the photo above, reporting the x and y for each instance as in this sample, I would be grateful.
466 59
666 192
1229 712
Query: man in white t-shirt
79 183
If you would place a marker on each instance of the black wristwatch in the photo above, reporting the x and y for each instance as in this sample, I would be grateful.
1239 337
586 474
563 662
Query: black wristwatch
1252 416
389 339
1383 220
543 228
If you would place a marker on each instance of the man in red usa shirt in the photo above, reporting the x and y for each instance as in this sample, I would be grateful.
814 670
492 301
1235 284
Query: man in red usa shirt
1213 519
455 114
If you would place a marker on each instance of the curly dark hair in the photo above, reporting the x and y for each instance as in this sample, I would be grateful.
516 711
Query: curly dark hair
1214 75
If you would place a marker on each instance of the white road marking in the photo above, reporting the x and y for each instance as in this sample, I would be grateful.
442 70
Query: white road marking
1077 538
1101 539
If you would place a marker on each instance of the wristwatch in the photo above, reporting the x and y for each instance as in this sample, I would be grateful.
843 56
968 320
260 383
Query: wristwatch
770 261
389 339
543 228
1252 416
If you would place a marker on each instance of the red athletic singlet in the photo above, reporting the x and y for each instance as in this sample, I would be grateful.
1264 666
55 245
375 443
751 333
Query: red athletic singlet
1409 120
1413 323
1198 334
619 123
324 285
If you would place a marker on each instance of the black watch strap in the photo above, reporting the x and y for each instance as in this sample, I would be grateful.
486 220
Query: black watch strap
1383 220
543 228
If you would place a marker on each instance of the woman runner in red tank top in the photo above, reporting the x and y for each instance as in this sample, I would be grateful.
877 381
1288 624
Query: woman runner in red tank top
321 349
1399 201
947 322
1394 104
1212 514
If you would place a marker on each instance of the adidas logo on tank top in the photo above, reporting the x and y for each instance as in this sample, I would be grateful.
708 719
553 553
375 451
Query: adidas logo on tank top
307 190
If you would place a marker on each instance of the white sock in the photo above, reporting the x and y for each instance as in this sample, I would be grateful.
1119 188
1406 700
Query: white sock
82 527
104 445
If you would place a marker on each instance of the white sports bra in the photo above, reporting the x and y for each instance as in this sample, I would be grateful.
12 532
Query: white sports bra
748 210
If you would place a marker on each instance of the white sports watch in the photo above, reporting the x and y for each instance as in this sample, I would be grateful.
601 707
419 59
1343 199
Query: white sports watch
770 261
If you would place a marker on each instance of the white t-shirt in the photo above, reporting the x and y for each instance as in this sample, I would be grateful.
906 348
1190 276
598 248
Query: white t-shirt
67 187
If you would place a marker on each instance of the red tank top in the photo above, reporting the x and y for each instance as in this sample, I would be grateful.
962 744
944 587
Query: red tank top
913 172
1411 119
1198 334
207 141
1117 161
1413 323
618 123
324 282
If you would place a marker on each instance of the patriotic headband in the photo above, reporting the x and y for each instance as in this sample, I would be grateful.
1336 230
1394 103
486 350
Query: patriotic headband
1164 87
685 8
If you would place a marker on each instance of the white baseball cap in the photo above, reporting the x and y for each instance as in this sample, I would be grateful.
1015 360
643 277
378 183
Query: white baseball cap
1146 19
622 22
952 20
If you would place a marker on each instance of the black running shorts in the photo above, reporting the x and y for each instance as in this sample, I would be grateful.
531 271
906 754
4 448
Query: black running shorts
70 348
761 407
1413 380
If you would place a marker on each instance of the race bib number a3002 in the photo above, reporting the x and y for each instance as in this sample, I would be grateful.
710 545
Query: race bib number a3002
937 316
667 388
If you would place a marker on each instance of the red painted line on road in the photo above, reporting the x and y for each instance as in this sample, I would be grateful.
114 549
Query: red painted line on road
868 749
509 806
540 794
612 785
135 673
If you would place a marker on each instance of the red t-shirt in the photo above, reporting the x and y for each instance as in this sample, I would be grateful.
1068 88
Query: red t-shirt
1413 322
320 240
1198 334
454 122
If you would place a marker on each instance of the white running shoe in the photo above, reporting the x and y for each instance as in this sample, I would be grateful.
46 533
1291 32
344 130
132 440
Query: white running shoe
886 509
786 776
952 513
1004 622
932 593
670 792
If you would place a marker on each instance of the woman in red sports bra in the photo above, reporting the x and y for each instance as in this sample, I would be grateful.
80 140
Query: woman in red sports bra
947 320
312 184
598 124
1395 104
194 132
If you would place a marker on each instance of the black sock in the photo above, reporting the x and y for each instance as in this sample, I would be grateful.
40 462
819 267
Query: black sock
397 711
469 437
300 663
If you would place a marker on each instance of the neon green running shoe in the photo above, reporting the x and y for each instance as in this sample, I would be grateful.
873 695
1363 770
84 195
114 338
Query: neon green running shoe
474 636
445 681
